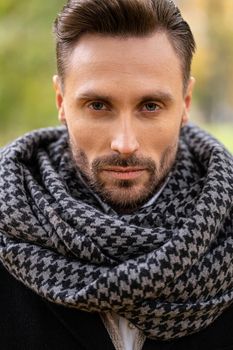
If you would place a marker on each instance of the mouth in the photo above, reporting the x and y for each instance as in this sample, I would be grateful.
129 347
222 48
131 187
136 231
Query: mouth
124 173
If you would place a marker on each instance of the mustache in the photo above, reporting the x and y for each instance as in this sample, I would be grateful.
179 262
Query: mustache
116 160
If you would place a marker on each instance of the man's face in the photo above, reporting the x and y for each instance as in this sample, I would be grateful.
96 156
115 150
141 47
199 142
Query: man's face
123 104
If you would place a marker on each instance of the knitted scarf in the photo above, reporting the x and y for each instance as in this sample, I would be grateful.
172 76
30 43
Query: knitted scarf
167 268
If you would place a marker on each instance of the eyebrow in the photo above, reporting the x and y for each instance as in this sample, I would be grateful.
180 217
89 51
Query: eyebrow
92 95
160 96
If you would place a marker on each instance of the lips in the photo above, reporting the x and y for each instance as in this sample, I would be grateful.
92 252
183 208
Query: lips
124 173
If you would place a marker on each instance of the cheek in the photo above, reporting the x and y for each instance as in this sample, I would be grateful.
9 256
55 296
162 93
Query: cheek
159 138
83 136
88 138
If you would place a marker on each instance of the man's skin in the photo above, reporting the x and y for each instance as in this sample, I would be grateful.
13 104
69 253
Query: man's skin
124 98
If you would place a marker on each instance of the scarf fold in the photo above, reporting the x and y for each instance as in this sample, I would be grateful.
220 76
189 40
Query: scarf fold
167 268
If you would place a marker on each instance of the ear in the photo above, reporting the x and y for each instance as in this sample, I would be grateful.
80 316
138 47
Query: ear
59 99
188 101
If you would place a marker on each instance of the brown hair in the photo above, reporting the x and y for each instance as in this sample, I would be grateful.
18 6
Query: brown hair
122 18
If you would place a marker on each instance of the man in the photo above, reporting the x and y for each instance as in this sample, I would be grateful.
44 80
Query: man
116 229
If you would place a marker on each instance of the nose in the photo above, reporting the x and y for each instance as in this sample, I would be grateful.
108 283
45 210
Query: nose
124 140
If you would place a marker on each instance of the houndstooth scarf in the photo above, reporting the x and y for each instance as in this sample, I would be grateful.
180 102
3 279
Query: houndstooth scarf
167 268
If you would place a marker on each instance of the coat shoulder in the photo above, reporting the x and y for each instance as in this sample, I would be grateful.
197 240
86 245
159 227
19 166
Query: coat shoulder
29 322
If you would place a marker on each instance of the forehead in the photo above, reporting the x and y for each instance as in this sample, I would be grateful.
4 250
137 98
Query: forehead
136 60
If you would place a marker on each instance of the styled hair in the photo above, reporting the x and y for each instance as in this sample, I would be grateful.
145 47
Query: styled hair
122 18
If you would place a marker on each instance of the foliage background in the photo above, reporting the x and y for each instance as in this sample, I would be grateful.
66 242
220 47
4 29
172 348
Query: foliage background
27 63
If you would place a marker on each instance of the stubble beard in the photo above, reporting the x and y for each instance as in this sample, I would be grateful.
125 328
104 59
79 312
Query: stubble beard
125 196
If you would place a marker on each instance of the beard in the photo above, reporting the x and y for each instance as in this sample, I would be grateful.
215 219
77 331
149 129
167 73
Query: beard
124 196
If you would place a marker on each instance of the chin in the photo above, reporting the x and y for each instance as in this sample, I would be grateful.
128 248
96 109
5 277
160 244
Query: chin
126 197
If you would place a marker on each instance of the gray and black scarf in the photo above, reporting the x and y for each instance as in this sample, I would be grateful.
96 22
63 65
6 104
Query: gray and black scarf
168 268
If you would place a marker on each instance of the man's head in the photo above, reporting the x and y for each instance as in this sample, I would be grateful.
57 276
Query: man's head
124 91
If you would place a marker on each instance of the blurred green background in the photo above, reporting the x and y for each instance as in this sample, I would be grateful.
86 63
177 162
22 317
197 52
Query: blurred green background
27 63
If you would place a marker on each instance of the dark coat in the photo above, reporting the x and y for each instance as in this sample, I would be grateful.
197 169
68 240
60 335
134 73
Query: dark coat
29 322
